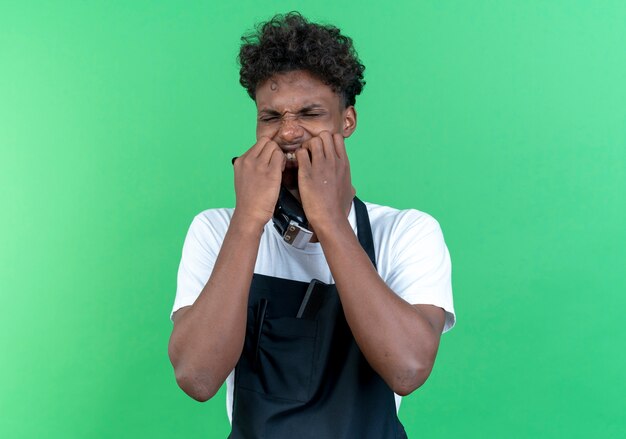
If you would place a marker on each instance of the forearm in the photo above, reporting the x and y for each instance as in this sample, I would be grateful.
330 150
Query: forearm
397 340
207 339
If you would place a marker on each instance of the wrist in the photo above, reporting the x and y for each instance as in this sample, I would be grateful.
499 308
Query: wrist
247 225
332 227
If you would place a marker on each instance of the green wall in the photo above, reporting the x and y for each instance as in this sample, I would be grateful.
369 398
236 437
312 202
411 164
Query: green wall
506 120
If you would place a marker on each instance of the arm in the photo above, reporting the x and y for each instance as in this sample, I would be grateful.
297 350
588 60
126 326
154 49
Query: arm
208 336
399 340
404 343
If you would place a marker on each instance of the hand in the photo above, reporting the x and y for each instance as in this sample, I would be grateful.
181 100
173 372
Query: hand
258 174
324 180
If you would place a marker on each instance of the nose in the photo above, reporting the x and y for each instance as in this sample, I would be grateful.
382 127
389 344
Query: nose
290 131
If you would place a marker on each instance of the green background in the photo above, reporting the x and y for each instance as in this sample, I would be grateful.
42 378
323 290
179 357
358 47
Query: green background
505 120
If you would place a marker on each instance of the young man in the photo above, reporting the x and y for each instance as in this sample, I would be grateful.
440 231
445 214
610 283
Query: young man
328 358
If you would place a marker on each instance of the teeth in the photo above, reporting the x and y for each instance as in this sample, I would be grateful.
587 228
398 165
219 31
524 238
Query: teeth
290 155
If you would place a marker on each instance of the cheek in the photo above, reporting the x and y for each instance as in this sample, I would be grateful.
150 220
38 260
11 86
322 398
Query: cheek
316 127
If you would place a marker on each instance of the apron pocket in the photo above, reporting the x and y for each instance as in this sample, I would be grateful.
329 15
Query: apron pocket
284 359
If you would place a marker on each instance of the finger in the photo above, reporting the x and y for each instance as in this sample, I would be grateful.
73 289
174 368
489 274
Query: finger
316 146
258 147
328 144
304 161
270 147
253 151
277 160
340 146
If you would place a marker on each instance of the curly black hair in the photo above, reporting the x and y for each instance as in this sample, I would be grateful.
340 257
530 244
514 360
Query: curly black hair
290 42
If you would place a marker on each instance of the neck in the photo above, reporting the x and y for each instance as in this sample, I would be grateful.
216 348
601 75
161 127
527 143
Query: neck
290 182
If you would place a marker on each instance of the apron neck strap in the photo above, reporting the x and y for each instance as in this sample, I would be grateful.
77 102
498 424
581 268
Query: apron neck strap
364 229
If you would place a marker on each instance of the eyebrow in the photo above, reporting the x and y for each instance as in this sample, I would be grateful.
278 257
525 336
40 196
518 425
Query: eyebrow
304 109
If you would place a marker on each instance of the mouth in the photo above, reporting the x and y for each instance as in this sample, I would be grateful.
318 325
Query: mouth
290 154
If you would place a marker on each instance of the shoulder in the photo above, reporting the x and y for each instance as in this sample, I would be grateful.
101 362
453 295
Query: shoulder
389 221
213 219
210 226
413 258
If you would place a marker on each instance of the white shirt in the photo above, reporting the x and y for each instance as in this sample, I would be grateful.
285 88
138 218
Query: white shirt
411 257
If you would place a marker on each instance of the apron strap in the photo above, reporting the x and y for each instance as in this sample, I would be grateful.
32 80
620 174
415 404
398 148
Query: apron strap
364 229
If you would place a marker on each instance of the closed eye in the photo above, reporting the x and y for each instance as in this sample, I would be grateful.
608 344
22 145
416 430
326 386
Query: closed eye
268 118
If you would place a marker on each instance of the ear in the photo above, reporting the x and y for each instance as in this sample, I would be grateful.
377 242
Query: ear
349 121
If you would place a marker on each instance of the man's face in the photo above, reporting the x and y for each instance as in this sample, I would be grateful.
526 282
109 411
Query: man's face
295 106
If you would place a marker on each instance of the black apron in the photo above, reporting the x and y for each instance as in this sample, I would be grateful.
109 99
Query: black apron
301 378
